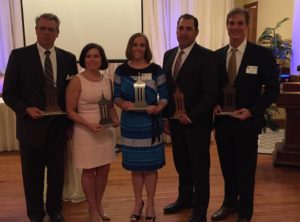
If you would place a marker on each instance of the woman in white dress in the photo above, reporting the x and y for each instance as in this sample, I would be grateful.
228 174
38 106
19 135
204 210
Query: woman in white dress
93 142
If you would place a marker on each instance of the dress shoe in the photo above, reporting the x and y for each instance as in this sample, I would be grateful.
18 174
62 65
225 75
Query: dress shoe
57 217
150 219
105 217
136 217
176 206
243 220
36 220
194 218
222 213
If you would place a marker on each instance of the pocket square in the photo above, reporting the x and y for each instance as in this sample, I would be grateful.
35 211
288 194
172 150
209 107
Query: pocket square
69 77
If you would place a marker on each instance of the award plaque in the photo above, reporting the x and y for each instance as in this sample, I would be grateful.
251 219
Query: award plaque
179 103
51 102
139 94
229 100
105 117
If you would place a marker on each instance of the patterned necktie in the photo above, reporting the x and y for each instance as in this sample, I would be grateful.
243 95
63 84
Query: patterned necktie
232 67
48 69
177 64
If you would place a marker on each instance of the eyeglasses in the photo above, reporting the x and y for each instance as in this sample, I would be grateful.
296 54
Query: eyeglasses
44 29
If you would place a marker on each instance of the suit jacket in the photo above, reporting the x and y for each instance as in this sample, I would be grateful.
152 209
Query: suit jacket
197 79
24 87
254 91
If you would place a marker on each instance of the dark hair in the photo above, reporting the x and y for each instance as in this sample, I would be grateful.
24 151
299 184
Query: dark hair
240 11
188 17
48 16
84 51
148 53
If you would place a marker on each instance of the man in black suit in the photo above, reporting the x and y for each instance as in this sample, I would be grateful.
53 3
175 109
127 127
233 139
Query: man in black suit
42 138
256 85
190 132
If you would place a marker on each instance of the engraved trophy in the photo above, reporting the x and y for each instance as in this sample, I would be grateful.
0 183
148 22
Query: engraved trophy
52 107
229 100
105 117
179 103
139 93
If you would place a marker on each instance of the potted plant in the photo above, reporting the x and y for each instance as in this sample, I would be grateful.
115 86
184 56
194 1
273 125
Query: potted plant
281 49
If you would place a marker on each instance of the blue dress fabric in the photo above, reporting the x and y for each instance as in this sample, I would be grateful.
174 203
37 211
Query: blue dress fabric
141 133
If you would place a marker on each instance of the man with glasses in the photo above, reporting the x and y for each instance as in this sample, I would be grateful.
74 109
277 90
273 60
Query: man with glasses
30 70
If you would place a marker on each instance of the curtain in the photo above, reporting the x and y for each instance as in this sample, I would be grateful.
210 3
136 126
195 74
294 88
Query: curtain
296 39
160 18
11 34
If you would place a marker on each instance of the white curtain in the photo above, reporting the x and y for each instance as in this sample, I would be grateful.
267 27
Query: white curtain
160 18
11 34
296 39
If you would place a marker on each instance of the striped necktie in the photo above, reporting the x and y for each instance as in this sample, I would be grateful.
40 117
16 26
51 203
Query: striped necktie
177 65
48 69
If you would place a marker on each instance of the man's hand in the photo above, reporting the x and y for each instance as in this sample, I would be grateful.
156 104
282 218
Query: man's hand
34 112
241 114
217 109
166 127
184 119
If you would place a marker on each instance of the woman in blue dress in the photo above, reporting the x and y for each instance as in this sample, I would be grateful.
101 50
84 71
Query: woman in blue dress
141 130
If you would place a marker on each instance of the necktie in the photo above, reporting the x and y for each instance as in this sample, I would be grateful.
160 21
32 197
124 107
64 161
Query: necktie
177 64
48 69
232 67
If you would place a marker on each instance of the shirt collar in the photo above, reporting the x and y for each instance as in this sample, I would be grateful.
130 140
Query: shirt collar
187 50
43 50
241 47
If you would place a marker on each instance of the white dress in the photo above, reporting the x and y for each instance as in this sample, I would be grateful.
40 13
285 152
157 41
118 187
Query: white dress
92 149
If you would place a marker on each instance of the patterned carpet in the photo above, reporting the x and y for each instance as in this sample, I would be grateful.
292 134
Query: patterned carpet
267 140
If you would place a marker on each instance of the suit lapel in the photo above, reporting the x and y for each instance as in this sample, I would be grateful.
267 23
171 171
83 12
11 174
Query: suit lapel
186 65
243 65
60 65
36 62
169 64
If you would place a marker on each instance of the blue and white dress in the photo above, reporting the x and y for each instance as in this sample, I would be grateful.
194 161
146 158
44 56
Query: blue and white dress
141 133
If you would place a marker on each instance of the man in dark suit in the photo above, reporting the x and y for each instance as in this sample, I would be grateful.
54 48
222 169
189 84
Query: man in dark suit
42 138
190 131
256 85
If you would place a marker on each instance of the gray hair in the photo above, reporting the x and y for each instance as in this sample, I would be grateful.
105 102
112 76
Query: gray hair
48 16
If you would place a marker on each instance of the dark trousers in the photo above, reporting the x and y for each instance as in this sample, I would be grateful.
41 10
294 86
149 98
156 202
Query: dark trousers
190 145
237 148
34 160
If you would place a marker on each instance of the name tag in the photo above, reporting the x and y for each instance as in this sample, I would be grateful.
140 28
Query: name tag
146 76
252 70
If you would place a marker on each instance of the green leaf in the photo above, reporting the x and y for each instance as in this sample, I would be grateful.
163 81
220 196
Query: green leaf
280 22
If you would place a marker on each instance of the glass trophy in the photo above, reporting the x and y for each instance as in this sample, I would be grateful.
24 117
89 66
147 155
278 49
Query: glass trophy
139 94
229 100
179 103
52 107
105 117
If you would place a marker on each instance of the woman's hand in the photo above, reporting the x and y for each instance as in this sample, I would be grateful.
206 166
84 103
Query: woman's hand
126 105
153 109
95 127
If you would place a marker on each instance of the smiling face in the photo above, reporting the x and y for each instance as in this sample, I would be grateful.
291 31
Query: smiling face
93 60
237 29
47 32
138 48
186 32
